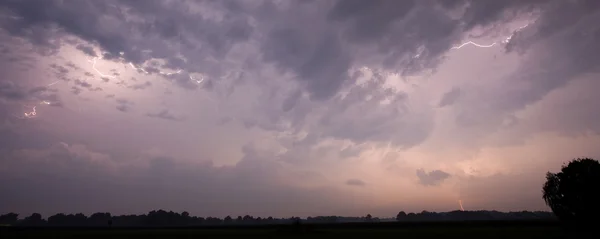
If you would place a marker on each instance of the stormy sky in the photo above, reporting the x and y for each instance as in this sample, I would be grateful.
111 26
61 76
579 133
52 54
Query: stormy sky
293 108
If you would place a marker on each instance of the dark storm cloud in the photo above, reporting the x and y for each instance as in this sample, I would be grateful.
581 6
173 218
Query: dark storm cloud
9 91
124 105
24 60
89 50
431 178
559 47
165 27
290 102
355 182
76 90
449 97
184 81
569 50
166 115
140 86
123 108
317 41
83 83
123 101
320 43
360 119
72 66
358 116
59 69
487 12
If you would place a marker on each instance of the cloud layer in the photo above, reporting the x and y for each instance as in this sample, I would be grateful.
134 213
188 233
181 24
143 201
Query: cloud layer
262 106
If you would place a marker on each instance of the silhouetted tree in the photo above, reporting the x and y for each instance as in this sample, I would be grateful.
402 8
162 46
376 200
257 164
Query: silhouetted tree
248 219
572 193
34 220
99 219
9 219
369 218
401 216
296 221
411 216
228 220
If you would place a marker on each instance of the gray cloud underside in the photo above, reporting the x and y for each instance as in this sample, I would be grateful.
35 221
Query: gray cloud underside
320 61
317 42
431 178
355 182
558 48
358 33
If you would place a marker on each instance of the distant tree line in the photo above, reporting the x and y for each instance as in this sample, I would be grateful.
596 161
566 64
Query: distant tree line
163 218
572 194
474 216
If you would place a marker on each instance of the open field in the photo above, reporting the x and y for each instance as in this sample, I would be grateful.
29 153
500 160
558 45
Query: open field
463 230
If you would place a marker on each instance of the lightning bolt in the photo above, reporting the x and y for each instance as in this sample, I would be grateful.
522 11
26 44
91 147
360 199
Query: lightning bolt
505 41
461 206
206 96
197 81
53 83
387 149
146 72
93 61
474 44
170 73
138 68
31 114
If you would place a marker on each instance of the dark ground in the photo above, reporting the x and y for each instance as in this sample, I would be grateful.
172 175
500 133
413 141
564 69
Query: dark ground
463 230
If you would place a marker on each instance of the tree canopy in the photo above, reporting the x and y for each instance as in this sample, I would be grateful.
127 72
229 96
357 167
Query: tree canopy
572 193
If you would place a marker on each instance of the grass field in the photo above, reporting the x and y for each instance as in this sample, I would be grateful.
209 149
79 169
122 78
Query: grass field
396 230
